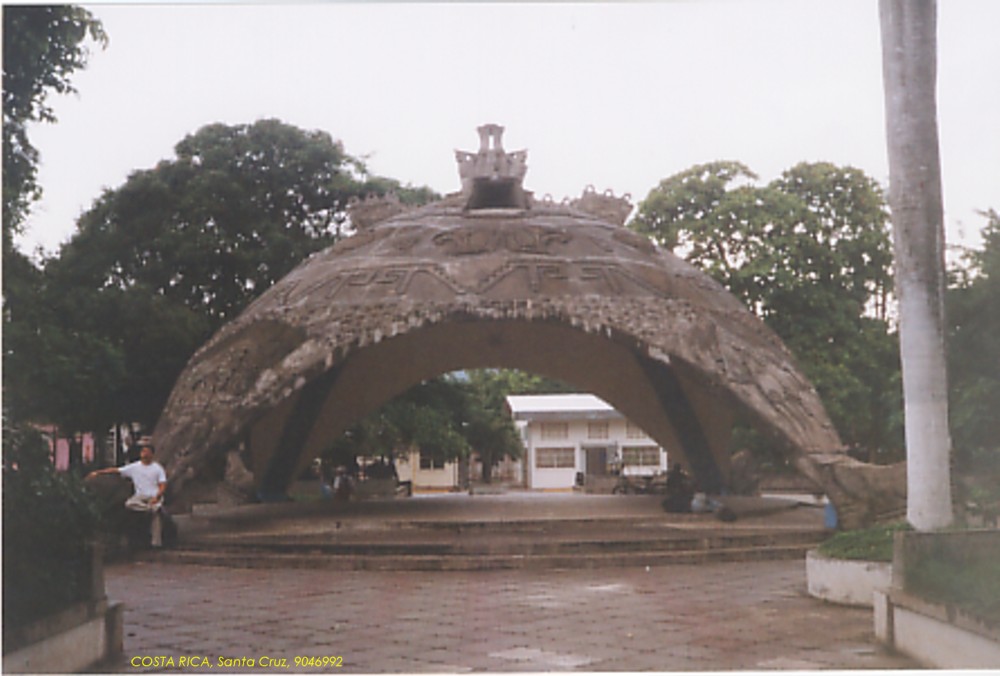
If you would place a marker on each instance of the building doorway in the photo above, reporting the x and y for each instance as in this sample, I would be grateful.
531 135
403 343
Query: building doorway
596 459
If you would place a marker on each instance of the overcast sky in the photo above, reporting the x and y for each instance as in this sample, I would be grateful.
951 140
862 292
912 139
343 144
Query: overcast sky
614 95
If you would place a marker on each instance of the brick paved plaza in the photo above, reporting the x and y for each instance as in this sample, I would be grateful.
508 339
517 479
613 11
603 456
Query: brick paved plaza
720 616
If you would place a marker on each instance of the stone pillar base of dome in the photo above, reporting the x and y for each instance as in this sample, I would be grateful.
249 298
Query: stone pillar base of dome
862 493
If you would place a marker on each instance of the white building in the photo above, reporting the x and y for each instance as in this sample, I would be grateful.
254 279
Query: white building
569 433
427 473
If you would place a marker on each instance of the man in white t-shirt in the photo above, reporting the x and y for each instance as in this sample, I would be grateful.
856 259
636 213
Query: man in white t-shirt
150 481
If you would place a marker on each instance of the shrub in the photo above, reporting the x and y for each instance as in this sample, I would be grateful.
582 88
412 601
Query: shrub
868 544
971 585
48 520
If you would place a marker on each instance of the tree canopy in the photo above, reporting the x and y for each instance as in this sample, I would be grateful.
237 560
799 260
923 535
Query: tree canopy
43 46
447 418
161 262
973 312
810 254
235 210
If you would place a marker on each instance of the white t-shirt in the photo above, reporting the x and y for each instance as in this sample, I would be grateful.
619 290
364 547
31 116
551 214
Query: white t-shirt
147 478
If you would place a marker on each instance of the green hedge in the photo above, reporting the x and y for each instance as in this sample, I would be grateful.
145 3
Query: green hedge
971 585
48 520
868 544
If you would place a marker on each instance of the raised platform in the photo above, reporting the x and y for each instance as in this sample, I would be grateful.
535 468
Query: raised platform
486 532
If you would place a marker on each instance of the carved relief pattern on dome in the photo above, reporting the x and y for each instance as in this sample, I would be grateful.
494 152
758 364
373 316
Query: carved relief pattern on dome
535 272
401 239
469 240
407 238
535 276
475 240
612 275
361 239
398 277
637 242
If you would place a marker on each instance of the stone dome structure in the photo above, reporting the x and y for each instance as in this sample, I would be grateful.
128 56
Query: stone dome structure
492 277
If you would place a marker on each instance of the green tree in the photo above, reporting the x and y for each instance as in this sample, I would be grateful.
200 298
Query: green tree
235 210
447 418
499 383
810 254
428 417
973 304
489 426
160 263
43 46
48 519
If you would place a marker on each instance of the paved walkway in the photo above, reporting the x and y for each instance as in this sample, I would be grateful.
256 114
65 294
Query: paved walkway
725 616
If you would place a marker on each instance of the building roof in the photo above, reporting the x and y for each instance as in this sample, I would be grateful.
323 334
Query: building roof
560 406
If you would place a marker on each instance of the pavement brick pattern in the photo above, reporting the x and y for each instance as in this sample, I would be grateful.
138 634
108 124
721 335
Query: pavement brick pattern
721 616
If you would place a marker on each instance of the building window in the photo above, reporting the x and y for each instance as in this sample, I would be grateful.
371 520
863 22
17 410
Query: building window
633 431
597 430
555 430
553 458
641 456
429 462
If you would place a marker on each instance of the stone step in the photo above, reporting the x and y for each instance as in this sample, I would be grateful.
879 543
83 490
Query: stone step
423 562
503 546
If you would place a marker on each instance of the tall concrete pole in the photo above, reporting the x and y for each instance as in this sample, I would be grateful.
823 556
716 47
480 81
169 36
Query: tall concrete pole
909 65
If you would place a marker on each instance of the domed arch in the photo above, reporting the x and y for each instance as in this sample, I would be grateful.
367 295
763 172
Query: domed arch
554 289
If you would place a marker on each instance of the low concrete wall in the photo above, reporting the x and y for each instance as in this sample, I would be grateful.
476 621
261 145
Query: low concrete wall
73 639
72 646
601 484
375 488
936 635
487 489
845 581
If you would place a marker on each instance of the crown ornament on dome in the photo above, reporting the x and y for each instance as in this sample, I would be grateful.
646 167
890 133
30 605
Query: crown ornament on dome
373 209
605 206
492 178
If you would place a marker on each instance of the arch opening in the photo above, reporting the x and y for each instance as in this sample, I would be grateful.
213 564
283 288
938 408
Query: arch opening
691 423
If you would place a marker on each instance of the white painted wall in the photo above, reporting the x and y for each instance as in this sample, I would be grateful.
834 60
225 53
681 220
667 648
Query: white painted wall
408 468
844 581
550 478
579 438
74 650
941 645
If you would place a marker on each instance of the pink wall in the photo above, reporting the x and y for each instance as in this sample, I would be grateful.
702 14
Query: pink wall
60 448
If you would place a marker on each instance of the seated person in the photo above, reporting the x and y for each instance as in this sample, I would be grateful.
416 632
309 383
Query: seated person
150 482
679 491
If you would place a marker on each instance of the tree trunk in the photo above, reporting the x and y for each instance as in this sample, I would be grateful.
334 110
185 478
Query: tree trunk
909 54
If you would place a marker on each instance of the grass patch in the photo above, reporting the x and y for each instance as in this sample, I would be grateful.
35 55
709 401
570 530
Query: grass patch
868 544
967 580
973 586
